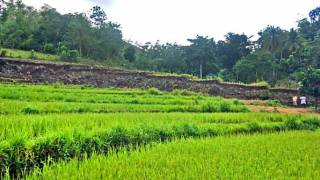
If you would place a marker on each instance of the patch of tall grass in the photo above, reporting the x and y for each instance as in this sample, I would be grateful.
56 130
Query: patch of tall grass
290 155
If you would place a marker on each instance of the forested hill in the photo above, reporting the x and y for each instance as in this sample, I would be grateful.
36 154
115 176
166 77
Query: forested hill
279 56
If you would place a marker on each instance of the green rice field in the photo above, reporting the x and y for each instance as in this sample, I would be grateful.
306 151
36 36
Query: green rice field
82 132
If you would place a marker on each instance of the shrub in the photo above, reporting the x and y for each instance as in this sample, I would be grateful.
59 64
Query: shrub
69 55
49 48
225 107
261 83
273 103
184 92
30 110
32 55
154 91
3 53
210 108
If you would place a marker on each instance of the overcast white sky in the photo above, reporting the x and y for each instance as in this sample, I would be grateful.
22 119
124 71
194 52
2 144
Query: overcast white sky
177 20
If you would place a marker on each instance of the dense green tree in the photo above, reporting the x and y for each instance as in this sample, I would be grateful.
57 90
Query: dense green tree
107 41
273 39
311 84
130 54
52 28
19 23
200 56
79 32
313 58
232 49
315 14
98 16
49 31
258 66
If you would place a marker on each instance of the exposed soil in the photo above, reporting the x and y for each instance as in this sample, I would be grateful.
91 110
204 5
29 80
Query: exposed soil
259 105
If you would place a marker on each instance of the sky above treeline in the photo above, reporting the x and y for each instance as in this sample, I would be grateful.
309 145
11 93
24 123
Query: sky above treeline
177 20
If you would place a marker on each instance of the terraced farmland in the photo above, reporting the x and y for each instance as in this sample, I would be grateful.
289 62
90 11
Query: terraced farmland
46 127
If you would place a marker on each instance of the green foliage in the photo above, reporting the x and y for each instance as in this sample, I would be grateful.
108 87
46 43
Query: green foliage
273 103
154 91
49 48
130 54
261 83
13 53
277 57
311 83
200 56
32 55
256 67
30 110
45 30
3 53
69 55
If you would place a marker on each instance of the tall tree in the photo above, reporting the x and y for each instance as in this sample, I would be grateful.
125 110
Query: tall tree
79 31
130 54
315 14
273 39
201 54
98 16
258 66
233 49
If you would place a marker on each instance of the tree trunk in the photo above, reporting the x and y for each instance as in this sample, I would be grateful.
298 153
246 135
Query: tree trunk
316 103
200 70
80 50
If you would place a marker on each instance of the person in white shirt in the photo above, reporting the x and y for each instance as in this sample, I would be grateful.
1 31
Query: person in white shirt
295 100
303 101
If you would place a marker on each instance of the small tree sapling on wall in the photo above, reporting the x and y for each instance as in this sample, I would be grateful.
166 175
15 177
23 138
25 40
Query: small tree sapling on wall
311 84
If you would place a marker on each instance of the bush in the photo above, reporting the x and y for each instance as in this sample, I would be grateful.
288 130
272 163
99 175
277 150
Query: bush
49 48
69 55
210 108
184 92
30 110
273 103
261 83
154 91
3 53
225 107
32 55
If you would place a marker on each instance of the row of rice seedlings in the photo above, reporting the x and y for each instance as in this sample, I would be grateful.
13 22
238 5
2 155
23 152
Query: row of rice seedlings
290 155
16 107
49 96
69 89
31 126
20 156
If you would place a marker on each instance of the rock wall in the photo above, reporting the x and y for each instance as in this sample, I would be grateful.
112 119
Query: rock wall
31 71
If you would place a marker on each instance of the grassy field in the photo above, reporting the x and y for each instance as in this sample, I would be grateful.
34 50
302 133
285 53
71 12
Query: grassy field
41 124
14 53
293 155
75 99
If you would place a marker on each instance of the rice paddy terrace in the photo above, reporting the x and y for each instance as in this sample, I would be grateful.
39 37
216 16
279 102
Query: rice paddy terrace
84 132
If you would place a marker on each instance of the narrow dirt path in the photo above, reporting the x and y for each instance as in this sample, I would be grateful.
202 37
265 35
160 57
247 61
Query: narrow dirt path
258 105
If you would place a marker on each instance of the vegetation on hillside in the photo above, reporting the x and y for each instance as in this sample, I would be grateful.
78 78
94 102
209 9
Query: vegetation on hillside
278 57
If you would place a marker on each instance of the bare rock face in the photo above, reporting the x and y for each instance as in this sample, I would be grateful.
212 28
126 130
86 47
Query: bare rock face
41 72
